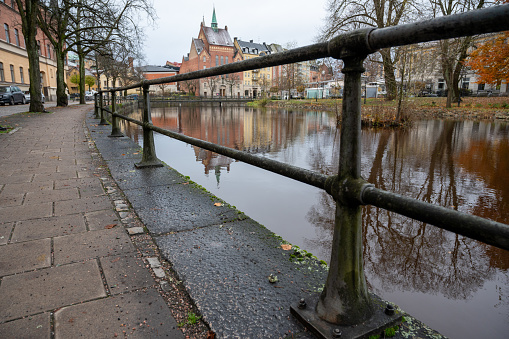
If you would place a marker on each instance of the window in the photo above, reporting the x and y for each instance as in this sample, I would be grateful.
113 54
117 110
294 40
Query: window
48 51
16 36
22 79
7 37
480 87
217 60
2 77
222 60
39 47
204 59
13 3
13 79
226 60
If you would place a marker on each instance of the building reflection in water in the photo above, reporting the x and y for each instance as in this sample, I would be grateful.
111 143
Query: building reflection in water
459 165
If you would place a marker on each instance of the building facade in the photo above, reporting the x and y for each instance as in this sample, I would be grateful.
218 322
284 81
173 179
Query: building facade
213 47
255 83
14 63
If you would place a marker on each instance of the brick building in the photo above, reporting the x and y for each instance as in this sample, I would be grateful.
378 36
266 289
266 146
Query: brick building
14 58
213 47
156 72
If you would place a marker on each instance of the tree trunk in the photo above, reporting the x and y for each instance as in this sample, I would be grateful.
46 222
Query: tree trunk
28 10
390 79
62 99
81 57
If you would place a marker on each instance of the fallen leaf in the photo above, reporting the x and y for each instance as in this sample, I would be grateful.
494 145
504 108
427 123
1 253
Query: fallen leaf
286 247
110 226
123 154
53 157
218 204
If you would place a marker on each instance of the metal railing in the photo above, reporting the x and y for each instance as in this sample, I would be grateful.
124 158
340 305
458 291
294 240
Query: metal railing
345 299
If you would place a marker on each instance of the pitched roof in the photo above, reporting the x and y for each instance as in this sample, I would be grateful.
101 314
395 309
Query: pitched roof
250 47
199 45
155 69
221 37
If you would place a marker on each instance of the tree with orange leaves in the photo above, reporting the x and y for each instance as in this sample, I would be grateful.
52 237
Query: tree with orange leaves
490 61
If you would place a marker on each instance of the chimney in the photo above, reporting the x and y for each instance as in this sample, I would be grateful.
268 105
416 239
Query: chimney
225 28
251 41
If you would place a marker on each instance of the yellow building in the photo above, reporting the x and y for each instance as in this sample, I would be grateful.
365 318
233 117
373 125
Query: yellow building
14 58
258 81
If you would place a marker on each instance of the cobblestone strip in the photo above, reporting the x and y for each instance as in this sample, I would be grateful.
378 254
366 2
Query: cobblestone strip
170 285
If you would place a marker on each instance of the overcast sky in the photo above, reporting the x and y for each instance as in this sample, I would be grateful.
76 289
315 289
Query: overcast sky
270 21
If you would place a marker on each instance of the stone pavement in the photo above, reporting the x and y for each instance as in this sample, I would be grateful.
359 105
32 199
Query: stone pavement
68 266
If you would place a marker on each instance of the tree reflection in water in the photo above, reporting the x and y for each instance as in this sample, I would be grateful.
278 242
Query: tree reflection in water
460 165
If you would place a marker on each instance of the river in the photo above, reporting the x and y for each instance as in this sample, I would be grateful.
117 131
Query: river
456 285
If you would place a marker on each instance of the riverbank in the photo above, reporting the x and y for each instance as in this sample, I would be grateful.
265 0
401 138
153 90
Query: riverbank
381 113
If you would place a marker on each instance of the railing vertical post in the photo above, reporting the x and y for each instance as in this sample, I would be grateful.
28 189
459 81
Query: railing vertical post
101 108
149 158
96 107
115 129
345 299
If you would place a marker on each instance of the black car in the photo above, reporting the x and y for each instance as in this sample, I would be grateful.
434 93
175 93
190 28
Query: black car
11 95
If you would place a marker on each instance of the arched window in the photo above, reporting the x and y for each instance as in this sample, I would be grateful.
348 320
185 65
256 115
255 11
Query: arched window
7 36
217 60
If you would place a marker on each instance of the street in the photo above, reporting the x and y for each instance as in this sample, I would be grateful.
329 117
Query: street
9 110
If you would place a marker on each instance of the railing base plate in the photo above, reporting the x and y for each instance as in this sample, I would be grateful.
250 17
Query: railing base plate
116 135
322 329
148 164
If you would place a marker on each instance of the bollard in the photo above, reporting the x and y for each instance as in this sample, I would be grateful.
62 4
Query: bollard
115 129
345 308
96 108
101 108
149 158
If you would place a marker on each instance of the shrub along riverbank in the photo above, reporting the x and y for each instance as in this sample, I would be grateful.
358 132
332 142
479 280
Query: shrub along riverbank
381 113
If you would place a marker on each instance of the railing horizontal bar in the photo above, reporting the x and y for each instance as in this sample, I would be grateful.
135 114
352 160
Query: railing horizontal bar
487 231
452 26
293 172
493 19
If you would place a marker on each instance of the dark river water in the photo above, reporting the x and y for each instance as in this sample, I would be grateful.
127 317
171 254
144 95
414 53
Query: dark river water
456 285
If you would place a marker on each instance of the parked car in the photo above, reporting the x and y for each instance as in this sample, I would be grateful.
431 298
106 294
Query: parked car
11 95
27 97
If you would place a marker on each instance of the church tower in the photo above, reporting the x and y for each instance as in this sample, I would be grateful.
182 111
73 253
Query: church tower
213 25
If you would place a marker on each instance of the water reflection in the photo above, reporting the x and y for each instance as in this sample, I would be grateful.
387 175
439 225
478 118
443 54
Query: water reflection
460 165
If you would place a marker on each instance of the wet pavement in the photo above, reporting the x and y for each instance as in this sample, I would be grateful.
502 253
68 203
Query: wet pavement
68 267
71 202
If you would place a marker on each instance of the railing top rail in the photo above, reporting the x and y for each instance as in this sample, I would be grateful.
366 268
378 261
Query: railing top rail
361 42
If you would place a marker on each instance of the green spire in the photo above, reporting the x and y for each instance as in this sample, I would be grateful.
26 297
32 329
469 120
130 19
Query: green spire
214 21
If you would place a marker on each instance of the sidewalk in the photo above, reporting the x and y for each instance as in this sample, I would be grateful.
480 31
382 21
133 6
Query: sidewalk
68 267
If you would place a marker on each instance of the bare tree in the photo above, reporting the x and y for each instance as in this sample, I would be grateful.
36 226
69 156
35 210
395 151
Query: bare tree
346 15
454 51
191 86
231 80
212 83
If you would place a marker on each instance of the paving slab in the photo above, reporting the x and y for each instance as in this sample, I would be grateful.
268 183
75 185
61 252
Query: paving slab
82 205
5 232
79 183
48 227
51 195
55 176
178 207
128 176
16 258
15 213
226 270
36 326
141 314
98 220
126 273
16 178
93 244
28 187
8 199
44 290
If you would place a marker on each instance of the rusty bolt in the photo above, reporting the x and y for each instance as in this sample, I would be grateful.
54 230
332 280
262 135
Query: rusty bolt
389 309
302 303
336 333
